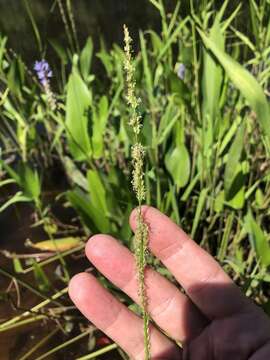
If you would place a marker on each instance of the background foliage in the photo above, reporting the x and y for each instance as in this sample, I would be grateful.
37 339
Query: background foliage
206 131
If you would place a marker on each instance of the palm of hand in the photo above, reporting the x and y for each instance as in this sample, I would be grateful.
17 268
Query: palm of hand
239 336
214 321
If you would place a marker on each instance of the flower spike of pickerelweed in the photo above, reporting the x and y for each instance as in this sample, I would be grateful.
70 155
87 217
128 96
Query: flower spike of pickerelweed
44 74
138 155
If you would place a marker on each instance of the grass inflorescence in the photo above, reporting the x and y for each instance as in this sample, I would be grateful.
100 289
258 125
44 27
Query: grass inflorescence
138 155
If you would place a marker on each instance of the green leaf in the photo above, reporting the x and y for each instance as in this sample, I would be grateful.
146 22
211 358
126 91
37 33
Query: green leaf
92 216
106 60
212 76
245 82
77 117
86 58
258 239
15 76
178 164
100 118
17 265
13 174
30 182
18 197
234 157
60 50
3 42
41 277
74 174
199 209
219 202
156 41
97 191
167 130
179 89
238 199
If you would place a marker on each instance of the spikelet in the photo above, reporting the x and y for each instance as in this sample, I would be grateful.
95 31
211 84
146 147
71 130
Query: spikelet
138 155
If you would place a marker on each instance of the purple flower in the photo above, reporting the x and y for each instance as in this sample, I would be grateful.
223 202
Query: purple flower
181 71
43 70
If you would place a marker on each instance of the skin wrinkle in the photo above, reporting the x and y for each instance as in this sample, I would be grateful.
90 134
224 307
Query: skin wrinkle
165 305
117 316
204 283
133 278
177 245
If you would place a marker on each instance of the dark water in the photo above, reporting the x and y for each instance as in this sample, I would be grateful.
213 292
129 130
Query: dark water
93 17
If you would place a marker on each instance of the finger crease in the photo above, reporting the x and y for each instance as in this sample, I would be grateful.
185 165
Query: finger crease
170 251
163 307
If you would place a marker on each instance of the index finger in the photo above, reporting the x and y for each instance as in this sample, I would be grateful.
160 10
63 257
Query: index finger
208 286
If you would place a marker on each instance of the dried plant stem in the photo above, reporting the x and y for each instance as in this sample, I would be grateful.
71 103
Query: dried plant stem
138 154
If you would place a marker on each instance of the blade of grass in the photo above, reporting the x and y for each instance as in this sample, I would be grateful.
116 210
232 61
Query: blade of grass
199 209
98 352
246 83
225 238
39 344
34 25
35 308
65 344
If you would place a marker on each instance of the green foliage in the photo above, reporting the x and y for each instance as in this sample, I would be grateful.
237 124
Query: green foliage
178 164
78 108
258 239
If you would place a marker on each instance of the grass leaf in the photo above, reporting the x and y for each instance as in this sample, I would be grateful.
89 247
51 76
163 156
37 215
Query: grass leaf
245 82
258 239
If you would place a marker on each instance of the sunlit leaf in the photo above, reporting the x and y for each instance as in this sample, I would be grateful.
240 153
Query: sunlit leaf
245 82
258 239
178 164
77 117
62 244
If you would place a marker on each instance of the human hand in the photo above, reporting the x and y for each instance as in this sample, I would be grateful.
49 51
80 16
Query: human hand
213 321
